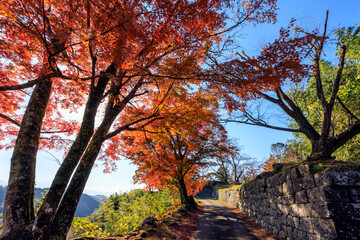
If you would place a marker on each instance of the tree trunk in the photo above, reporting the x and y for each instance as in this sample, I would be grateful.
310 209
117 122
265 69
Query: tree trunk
49 206
19 206
186 200
66 210
321 150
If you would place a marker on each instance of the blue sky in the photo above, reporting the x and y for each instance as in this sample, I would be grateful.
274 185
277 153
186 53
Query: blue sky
255 141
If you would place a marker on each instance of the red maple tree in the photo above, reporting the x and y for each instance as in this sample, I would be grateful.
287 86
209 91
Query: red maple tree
117 59
174 151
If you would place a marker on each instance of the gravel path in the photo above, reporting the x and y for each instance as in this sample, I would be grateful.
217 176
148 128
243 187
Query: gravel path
219 223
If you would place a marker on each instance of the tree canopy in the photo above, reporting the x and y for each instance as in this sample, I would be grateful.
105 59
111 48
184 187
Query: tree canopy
118 61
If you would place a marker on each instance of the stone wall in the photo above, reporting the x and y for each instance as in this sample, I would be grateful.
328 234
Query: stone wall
301 205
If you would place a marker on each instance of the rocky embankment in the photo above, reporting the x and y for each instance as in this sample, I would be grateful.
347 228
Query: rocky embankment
301 204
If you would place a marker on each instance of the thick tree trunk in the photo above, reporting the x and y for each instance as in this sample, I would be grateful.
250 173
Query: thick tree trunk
48 209
321 150
186 200
19 206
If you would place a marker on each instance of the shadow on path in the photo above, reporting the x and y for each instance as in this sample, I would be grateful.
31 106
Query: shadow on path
219 223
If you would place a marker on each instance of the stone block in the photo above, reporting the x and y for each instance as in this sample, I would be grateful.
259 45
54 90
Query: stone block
346 178
315 195
355 194
282 235
328 194
347 229
298 210
344 211
262 183
305 225
270 182
281 179
287 188
323 227
308 182
301 197
304 170
318 209
297 184
321 179
312 236
289 231
294 173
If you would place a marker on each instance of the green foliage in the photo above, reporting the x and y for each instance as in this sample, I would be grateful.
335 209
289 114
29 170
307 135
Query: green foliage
122 213
38 202
83 227
1 224
349 95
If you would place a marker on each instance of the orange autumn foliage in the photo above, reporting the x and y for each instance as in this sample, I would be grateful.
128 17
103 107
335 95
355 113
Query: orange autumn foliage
178 146
116 60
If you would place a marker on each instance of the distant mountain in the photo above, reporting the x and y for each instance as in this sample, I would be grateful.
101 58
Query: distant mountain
86 206
99 198
2 197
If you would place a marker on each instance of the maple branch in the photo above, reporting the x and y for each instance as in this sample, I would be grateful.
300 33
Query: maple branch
30 83
10 119
345 136
347 110
128 125
258 122
166 94
140 94
56 159
57 139
51 132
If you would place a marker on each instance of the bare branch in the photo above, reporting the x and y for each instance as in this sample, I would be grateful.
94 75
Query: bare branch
128 126
30 83
261 123
10 119
347 110
338 76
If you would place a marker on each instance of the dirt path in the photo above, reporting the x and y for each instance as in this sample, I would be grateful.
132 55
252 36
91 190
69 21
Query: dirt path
219 223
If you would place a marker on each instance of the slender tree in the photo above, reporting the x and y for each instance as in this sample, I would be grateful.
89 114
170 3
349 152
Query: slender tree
174 151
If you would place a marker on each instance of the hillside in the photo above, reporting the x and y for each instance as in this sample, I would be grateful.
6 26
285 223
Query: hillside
85 208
